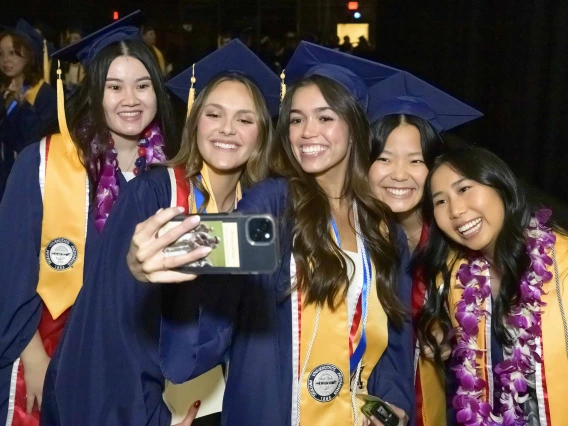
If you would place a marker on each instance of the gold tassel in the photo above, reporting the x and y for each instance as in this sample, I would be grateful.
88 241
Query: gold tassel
191 97
282 86
63 129
46 62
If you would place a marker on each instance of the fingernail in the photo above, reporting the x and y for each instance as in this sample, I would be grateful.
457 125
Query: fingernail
197 403
207 250
181 209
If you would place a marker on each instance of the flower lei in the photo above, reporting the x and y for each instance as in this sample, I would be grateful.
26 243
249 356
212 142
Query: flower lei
525 319
150 151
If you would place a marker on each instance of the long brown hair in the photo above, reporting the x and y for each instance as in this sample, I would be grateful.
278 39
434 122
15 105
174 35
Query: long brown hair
257 166
322 269
32 69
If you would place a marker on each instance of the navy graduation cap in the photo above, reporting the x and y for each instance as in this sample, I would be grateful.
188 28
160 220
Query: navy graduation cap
85 50
403 93
234 57
29 33
357 75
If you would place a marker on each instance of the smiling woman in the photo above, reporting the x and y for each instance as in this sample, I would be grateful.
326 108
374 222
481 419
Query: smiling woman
495 267
57 202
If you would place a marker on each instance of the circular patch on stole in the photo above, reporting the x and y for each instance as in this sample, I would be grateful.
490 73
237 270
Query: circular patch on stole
325 382
60 254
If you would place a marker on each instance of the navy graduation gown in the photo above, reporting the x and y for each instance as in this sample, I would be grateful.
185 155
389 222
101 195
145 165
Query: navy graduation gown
108 368
27 123
21 212
250 319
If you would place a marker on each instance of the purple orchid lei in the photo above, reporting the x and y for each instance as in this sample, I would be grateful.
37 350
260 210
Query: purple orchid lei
151 150
525 319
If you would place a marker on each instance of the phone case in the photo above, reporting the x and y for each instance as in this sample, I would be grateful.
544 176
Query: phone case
379 409
239 241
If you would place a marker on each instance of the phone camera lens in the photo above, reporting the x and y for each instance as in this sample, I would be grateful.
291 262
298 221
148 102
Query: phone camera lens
260 230
265 225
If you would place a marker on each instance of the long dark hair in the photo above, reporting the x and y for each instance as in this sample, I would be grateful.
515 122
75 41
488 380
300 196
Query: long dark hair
322 270
431 142
257 166
85 112
440 255
32 70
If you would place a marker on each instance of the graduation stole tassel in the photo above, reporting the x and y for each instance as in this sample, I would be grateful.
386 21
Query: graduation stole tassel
63 129
46 62
282 86
191 97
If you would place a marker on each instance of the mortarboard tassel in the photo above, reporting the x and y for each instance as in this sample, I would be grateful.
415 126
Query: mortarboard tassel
46 62
191 97
282 86
63 129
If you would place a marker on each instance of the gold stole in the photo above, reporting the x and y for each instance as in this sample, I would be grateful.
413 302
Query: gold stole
554 376
179 397
433 391
31 94
433 394
160 59
64 225
331 346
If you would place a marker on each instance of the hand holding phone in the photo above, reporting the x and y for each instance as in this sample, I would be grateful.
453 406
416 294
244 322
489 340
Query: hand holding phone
378 409
146 259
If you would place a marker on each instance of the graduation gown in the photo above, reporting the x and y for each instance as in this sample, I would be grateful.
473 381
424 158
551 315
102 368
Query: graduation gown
27 123
249 319
21 309
113 359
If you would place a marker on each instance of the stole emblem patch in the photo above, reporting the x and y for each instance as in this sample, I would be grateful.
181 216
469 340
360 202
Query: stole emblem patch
325 382
60 254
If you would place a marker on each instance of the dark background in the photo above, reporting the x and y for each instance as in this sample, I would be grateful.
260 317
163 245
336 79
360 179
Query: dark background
507 58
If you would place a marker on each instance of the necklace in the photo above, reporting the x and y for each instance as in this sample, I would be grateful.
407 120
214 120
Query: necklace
150 150
525 319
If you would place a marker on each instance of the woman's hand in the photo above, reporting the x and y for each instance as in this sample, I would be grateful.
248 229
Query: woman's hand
14 91
147 261
191 414
427 351
35 361
373 421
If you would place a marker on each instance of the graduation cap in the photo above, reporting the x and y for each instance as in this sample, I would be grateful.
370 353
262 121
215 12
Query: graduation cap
30 34
234 57
403 93
357 75
86 49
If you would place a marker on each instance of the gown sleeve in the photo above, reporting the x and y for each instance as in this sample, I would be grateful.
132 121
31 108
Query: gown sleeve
20 233
20 230
199 318
392 380
106 371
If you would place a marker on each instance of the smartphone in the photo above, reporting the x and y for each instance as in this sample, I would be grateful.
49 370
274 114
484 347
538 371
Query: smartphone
241 243
379 409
